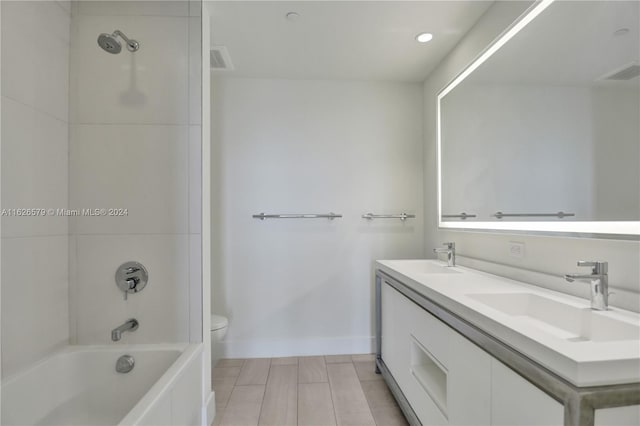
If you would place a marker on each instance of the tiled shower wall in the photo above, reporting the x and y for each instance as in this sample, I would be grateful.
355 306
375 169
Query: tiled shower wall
135 145
35 143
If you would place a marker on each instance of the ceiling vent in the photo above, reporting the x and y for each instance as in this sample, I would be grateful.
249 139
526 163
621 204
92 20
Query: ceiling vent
626 73
220 59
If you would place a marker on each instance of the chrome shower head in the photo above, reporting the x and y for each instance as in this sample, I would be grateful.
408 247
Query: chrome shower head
109 42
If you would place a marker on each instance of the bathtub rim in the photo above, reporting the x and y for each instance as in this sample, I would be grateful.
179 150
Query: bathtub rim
163 384
70 349
186 353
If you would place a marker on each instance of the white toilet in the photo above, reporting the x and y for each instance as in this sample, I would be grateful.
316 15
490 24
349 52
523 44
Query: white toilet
219 325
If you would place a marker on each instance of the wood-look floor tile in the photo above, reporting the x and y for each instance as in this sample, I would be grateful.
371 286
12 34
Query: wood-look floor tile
363 357
243 408
383 406
290 360
230 362
312 369
349 401
223 388
327 390
315 407
280 404
217 420
389 416
254 372
332 359
367 371
222 372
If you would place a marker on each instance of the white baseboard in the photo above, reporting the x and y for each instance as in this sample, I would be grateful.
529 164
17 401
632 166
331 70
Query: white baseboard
268 348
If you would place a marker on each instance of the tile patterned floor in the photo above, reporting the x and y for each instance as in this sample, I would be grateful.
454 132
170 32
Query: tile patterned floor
318 390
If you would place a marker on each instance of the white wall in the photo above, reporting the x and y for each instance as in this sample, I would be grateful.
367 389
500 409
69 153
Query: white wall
35 105
551 255
297 146
135 144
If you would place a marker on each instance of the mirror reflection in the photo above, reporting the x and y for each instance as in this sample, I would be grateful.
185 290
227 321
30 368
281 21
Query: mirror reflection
548 128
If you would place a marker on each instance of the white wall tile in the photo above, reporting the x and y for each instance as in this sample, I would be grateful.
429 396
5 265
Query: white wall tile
195 179
140 168
161 308
149 86
137 8
35 51
195 7
34 299
195 288
34 169
74 300
195 71
64 4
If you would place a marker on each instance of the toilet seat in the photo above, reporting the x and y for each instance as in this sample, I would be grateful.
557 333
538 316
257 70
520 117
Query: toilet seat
218 322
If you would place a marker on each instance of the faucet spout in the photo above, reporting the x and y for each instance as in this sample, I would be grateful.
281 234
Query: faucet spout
599 281
130 325
450 250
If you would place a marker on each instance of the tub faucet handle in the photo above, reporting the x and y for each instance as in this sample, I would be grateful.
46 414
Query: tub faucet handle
131 270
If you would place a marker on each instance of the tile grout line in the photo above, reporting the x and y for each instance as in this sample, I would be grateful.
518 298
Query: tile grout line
297 392
366 399
264 394
333 402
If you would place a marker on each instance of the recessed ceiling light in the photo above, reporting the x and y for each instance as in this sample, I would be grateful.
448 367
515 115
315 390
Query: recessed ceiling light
424 37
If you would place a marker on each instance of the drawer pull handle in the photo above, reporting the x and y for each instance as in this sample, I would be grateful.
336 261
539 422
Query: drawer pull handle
430 374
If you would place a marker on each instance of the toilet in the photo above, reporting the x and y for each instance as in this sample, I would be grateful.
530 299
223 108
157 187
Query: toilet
219 325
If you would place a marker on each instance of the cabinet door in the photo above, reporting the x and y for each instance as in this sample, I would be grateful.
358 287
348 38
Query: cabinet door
619 416
445 378
516 402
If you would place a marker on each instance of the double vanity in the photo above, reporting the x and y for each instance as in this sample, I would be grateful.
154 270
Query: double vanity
459 346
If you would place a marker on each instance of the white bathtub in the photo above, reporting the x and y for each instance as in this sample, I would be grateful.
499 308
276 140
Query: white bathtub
79 386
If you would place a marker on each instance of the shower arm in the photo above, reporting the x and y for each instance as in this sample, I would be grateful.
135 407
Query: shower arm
132 45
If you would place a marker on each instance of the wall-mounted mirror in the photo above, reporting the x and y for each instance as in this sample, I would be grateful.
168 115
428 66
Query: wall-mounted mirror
542 131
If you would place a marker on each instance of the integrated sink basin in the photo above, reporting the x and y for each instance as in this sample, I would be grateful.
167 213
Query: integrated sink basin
562 320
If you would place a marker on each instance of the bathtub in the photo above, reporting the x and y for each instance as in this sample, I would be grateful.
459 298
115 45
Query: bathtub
80 386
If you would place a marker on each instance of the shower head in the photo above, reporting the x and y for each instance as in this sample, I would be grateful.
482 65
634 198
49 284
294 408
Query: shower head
110 43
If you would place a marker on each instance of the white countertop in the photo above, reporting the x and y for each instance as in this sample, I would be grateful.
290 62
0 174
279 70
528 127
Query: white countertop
610 356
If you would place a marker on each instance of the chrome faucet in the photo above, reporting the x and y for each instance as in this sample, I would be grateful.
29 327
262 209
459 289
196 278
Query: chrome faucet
451 253
130 325
599 279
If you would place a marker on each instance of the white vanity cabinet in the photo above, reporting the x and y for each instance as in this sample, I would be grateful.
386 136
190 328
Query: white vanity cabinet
516 402
619 416
451 359
445 378
448 380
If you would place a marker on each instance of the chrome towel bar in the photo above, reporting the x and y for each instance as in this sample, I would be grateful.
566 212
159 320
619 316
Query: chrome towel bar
330 216
560 215
401 216
462 215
